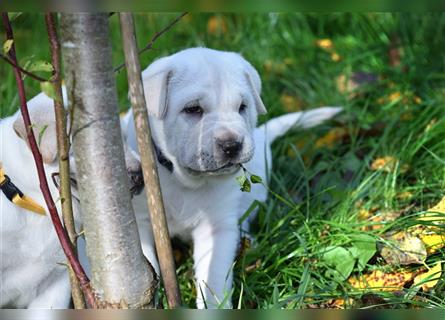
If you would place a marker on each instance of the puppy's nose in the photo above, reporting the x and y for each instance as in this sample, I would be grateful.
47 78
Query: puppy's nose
231 147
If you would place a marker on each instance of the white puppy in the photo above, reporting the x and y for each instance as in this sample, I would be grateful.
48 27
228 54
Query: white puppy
203 106
33 274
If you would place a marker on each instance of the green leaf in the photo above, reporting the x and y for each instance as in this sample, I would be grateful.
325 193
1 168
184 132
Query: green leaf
364 248
241 180
244 183
48 88
14 15
40 65
341 259
41 132
246 186
7 45
255 179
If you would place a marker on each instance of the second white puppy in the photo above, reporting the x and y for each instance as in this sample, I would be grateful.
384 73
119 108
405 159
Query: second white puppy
203 106
32 275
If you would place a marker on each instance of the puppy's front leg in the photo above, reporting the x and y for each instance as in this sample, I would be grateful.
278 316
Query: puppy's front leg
215 247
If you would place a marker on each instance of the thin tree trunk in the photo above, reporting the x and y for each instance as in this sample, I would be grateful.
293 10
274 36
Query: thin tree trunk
60 231
121 276
63 151
148 161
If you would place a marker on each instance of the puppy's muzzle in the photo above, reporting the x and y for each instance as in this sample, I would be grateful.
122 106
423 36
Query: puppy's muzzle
136 182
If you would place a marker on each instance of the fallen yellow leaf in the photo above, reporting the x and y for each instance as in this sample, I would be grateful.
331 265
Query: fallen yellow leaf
291 103
335 57
216 25
379 280
274 67
340 303
404 195
403 248
430 124
331 138
433 242
429 279
377 220
432 215
386 163
417 100
325 44
395 96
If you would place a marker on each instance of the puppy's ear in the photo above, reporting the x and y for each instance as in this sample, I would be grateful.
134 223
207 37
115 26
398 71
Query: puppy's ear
155 81
254 82
41 112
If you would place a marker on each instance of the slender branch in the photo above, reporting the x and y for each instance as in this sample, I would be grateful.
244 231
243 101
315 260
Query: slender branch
155 37
60 231
63 151
148 162
28 73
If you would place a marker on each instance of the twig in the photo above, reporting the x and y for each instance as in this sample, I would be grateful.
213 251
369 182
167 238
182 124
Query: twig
28 73
148 162
61 233
63 151
155 37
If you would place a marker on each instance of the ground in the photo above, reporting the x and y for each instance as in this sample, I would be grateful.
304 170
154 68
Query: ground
343 193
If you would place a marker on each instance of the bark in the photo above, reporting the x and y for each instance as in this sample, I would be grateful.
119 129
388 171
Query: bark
121 276
148 161
63 152
60 231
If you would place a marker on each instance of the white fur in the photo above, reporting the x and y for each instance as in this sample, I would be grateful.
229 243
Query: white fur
30 253
205 207
33 274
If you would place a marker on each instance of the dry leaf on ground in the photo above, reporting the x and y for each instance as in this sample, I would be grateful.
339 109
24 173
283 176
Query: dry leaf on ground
291 103
429 279
216 25
331 138
402 249
388 164
382 281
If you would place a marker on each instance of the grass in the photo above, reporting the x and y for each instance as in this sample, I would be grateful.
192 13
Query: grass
325 185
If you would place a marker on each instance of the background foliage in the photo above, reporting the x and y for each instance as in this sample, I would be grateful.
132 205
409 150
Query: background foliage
340 188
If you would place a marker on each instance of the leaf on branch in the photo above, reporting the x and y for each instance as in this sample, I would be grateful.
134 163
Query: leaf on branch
40 65
255 179
41 133
7 45
14 15
244 183
48 88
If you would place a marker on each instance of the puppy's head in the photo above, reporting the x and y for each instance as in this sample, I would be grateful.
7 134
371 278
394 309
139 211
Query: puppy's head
41 112
204 105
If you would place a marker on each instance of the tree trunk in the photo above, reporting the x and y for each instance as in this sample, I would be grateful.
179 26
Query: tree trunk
121 276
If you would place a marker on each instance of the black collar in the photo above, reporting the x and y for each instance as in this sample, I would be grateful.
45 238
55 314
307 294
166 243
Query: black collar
162 159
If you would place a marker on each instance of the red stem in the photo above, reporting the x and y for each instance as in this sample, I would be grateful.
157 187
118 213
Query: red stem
61 232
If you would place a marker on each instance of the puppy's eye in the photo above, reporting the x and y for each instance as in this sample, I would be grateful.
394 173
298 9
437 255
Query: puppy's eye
242 108
193 110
